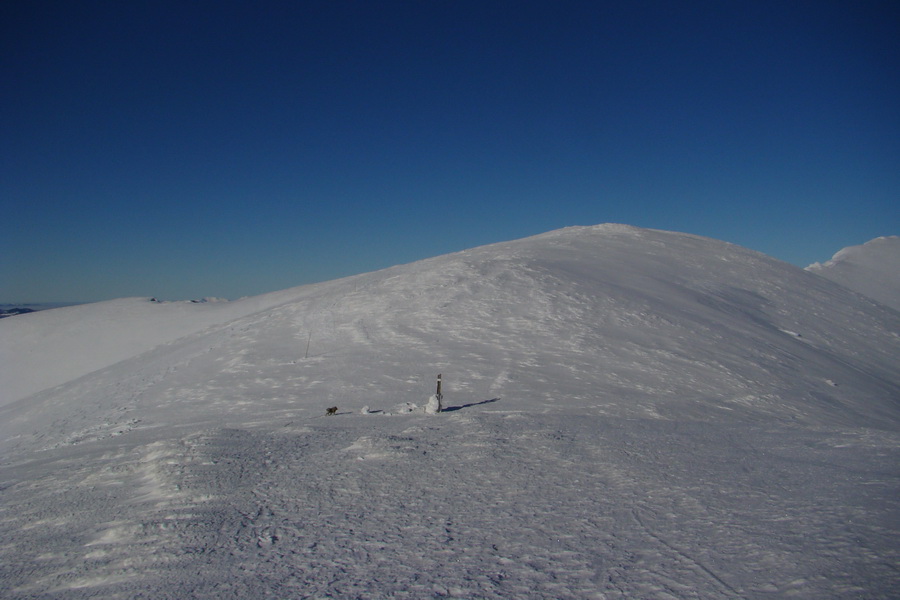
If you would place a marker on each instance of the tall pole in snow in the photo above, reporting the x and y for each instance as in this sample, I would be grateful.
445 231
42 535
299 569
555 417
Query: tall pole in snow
438 394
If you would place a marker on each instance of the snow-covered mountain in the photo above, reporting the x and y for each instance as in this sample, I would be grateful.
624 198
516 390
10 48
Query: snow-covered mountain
630 414
872 269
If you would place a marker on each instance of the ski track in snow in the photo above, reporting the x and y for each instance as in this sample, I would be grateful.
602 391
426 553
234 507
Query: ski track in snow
613 437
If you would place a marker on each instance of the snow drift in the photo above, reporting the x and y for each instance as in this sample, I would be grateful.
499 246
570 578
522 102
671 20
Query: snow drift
628 413
872 269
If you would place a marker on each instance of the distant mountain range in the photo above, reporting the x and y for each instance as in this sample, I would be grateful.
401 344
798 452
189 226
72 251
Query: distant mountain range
17 310
9 310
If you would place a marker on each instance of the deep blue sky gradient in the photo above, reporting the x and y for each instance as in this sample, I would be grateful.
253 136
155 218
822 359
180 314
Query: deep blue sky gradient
190 149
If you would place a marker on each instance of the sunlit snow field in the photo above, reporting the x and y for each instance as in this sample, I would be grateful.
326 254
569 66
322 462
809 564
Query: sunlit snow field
628 414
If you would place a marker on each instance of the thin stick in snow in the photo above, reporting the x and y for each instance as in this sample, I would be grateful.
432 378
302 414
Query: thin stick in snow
438 394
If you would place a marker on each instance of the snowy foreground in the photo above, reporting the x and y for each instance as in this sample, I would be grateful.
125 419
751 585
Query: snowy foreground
629 414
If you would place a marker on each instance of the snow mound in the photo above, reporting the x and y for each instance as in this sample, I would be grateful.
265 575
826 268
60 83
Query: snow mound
872 269
433 406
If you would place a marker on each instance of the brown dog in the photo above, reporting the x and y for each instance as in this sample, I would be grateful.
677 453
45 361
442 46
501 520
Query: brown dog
331 411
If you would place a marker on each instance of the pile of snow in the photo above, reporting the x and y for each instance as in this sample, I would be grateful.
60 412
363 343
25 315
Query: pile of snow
433 406
626 413
872 269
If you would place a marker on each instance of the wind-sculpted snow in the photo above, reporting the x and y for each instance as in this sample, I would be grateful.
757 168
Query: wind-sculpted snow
629 414
872 269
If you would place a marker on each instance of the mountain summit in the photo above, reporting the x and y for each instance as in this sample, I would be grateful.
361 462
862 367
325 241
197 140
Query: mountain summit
611 319
627 413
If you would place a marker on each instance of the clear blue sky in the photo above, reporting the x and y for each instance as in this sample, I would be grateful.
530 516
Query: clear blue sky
190 149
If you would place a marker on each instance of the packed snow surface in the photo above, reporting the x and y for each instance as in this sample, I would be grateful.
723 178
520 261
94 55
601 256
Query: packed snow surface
66 343
872 269
627 414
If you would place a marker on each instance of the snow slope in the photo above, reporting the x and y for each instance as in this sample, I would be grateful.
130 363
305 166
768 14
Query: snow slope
65 343
630 414
872 269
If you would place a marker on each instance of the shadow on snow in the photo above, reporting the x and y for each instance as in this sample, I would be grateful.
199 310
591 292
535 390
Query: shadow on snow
452 408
